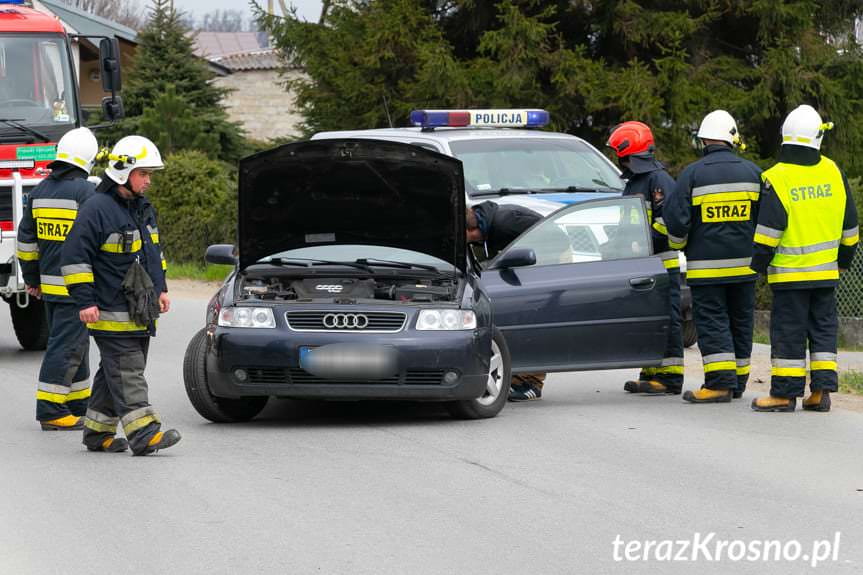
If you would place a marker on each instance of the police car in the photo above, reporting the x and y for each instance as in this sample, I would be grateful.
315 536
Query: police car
509 160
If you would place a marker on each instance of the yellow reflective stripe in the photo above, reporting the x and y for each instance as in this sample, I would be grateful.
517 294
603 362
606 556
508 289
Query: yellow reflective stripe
106 325
27 256
52 397
100 427
802 276
671 264
831 365
676 245
53 290
719 272
660 227
766 240
155 238
164 264
118 248
788 371
134 426
82 278
743 370
649 370
850 240
80 394
670 369
720 366
61 213
724 197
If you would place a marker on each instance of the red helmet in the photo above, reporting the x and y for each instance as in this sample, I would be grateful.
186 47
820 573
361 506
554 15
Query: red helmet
631 138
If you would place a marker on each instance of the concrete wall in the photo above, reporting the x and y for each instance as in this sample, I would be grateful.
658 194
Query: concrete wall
260 103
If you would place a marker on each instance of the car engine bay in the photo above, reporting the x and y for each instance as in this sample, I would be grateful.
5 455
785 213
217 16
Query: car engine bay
335 289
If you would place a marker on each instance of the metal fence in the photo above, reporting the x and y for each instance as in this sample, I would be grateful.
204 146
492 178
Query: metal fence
849 296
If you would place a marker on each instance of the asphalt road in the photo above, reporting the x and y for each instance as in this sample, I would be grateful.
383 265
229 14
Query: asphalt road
546 487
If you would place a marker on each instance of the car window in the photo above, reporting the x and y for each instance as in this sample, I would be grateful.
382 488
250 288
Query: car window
534 163
592 231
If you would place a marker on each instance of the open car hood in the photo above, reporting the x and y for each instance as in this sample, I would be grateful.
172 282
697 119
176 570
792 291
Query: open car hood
352 191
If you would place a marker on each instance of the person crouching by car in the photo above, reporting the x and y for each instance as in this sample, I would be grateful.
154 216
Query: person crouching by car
496 226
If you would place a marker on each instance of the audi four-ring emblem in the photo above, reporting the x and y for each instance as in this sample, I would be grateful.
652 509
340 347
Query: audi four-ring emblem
346 321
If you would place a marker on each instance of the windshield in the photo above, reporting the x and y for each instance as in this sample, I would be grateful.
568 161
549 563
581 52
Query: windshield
533 164
351 253
36 83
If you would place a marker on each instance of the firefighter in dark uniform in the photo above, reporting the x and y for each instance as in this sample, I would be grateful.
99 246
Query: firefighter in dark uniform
807 232
634 146
115 240
496 226
712 213
64 379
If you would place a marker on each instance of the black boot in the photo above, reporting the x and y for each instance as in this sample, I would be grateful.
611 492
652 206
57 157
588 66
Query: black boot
162 440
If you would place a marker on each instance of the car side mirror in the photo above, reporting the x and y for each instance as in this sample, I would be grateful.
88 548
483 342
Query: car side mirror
222 254
516 258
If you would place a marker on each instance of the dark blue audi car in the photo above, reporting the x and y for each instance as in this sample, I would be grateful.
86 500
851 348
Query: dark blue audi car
353 280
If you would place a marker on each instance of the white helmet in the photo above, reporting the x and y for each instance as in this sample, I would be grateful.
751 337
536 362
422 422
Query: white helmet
78 148
130 153
719 125
804 127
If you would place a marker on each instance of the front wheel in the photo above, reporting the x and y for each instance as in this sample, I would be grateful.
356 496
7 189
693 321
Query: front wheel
496 390
216 409
30 323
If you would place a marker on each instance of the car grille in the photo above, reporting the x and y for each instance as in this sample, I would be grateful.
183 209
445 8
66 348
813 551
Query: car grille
295 375
339 321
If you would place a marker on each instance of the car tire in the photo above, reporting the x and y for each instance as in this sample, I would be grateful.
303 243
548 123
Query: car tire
500 376
216 409
30 324
690 336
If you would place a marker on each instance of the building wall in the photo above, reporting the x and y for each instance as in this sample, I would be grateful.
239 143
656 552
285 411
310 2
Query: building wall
261 104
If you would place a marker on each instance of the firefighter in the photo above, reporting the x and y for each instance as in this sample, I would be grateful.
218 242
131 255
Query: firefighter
64 386
495 227
712 213
116 238
634 147
807 233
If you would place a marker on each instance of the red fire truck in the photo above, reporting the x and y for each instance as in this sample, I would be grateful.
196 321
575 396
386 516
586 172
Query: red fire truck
38 104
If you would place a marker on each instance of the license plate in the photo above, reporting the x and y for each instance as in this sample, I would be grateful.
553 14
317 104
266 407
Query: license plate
305 352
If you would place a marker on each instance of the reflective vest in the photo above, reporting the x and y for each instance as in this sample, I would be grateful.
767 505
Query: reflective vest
814 201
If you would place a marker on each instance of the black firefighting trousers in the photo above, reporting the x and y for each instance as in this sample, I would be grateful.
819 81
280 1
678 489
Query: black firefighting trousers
120 394
670 373
724 317
64 379
799 317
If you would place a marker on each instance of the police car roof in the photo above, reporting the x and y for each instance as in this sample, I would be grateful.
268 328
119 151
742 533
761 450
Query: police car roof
448 134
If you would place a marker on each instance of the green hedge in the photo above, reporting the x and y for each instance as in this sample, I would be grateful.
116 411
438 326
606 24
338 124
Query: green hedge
197 202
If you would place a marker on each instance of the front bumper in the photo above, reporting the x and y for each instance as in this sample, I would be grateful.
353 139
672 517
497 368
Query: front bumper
270 359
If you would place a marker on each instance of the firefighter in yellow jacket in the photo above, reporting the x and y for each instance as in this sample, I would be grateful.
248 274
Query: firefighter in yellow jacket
807 232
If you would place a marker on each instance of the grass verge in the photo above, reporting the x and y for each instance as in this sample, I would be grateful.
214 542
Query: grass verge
851 381
199 272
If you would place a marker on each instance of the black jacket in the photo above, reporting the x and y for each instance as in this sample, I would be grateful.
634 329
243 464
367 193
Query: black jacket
47 220
503 223
713 212
112 232
650 178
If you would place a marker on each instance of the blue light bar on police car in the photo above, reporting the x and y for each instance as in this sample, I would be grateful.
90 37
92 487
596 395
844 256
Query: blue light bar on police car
480 118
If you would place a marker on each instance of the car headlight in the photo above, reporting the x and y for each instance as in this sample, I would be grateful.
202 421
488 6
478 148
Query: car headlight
247 317
446 320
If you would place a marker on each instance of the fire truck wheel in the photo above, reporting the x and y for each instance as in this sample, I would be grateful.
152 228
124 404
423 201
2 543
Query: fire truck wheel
30 323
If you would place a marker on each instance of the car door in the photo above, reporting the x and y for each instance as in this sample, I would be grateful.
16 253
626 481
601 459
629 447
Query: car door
596 298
